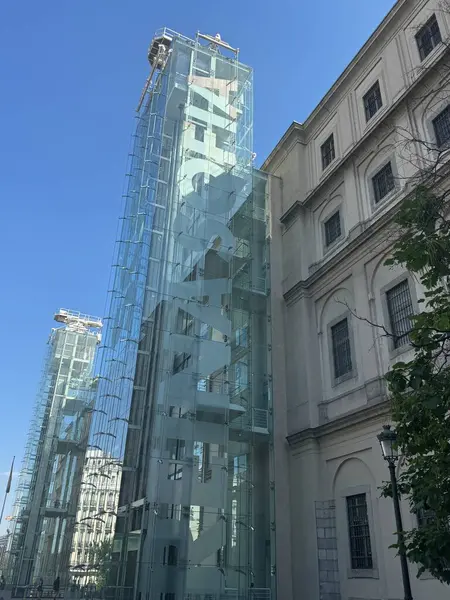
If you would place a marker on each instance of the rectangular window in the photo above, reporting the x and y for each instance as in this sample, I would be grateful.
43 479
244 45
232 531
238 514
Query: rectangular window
170 556
199 101
176 412
328 152
441 125
242 336
342 355
332 227
383 182
372 101
181 361
199 133
400 309
170 511
358 532
200 128
175 471
428 37
241 376
176 448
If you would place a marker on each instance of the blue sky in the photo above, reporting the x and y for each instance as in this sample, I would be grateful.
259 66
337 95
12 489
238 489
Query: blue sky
71 74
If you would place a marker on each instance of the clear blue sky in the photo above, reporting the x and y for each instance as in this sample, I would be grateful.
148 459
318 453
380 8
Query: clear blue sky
71 73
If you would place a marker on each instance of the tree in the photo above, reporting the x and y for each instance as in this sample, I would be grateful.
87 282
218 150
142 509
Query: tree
100 556
420 389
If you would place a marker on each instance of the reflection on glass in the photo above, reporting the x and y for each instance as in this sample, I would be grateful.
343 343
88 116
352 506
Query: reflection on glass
175 471
202 366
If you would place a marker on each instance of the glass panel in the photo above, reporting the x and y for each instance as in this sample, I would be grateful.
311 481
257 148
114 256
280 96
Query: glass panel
328 153
332 228
372 101
342 356
428 37
178 404
383 182
441 126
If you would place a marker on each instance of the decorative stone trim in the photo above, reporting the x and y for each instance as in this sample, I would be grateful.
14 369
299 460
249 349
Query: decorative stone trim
329 582
356 417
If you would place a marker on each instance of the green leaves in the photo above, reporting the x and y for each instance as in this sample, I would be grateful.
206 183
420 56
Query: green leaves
420 389
100 556
397 382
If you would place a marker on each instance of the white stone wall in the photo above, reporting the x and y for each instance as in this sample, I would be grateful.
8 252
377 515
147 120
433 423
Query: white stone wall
325 430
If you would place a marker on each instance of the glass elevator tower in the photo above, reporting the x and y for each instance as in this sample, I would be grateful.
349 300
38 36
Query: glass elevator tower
184 396
50 478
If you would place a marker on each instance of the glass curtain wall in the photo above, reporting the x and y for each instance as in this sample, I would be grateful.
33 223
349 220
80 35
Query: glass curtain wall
184 394
47 492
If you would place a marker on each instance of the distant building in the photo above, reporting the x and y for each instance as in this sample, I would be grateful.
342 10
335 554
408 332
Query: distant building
4 540
50 478
96 514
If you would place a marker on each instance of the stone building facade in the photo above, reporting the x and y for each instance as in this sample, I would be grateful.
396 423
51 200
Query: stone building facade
340 177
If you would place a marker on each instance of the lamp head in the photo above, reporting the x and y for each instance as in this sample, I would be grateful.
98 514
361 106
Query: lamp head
388 443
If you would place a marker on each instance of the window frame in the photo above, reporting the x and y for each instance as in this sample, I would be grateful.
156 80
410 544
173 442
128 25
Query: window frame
350 525
324 155
446 144
375 86
343 532
398 339
393 351
330 216
175 471
427 26
170 555
335 381
176 449
374 174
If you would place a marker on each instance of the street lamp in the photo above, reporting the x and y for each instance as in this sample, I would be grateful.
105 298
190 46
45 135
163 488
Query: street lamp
389 449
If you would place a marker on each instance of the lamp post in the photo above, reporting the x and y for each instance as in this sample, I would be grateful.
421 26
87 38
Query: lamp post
388 443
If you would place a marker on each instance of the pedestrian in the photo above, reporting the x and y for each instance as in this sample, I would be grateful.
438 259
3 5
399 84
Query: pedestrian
40 587
2 582
56 585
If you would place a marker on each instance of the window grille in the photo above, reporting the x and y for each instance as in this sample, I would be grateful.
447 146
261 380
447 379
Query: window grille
441 125
359 533
372 101
332 228
383 182
400 309
342 355
428 37
328 152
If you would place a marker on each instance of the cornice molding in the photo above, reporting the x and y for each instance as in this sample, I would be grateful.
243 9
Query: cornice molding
351 419
341 80
298 204
341 258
